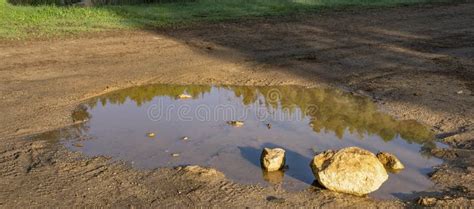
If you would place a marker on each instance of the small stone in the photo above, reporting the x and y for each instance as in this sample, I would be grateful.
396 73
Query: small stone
236 123
184 96
390 161
185 138
150 134
427 201
272 159
460 92
269 126
175 154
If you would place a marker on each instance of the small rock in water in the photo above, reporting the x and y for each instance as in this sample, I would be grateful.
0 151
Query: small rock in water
350 170
269 126
150 134
185 138
390 161
272 159
236 123
175 154
184 96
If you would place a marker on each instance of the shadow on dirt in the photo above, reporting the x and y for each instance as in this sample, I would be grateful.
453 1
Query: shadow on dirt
357 49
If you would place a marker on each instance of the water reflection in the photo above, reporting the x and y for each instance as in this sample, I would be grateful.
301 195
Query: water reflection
300 119
334 111
273 177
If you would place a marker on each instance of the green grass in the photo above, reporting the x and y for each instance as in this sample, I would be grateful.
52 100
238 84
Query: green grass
18 22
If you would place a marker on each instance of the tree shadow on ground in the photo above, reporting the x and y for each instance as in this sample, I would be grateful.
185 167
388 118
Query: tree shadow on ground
394 53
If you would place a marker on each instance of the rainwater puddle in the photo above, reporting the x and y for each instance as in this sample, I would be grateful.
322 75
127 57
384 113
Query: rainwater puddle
300 120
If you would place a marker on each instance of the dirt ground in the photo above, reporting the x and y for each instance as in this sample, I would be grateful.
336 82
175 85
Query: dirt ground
416 62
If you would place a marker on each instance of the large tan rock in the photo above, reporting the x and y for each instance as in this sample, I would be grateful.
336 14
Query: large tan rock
272 159
390 161
350 170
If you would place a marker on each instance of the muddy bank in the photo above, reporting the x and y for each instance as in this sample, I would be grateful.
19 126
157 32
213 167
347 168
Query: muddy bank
412 66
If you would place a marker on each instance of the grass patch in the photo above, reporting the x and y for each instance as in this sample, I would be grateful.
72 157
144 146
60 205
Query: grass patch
18 22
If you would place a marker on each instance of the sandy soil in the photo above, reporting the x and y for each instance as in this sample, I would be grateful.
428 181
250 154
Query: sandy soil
416 62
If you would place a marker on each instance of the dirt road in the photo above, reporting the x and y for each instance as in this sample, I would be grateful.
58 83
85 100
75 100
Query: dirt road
415 62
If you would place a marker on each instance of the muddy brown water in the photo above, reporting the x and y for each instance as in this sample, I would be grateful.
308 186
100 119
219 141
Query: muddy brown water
301 120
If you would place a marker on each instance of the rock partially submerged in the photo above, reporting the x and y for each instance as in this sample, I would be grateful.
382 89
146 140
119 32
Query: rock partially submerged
350 170
236 123
272 159
150 134
184 96
390 161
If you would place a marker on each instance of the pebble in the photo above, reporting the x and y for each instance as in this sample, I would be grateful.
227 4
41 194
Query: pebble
151 134
185 138
184 96
175 154
460 92
236 123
